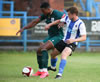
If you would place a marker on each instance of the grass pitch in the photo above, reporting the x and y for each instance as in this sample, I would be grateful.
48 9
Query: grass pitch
81 67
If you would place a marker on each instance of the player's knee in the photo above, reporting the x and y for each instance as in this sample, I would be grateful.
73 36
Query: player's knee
43 48
64 56
66 52
38 51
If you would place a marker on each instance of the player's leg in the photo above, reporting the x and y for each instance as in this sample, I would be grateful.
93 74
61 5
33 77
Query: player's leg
48 45
42 56
39 49
65 53
44 50
54 40
54 53
54 59
39 55
39 59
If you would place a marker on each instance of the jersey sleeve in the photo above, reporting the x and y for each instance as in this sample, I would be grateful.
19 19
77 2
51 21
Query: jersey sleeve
82 29
42 17
63 19
58 14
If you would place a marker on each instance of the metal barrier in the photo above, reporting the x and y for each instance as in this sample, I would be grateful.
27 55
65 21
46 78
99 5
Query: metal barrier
24 35
11 7
90 4
81 3
12 12
24 39
97 9
89 42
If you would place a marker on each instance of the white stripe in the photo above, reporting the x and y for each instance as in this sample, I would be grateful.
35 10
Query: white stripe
67 25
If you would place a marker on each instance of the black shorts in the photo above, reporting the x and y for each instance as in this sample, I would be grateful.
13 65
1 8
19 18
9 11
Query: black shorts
60 46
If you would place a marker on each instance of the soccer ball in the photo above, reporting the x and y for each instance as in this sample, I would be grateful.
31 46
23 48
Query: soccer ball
27 71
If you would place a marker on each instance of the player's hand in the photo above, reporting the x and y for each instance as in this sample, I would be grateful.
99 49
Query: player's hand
69 41
47 27
21 30
60 25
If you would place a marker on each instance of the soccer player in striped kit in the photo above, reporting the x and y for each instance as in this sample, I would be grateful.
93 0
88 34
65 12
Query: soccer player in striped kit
75 32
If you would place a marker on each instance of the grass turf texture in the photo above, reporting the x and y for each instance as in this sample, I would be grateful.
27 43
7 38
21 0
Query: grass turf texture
81 67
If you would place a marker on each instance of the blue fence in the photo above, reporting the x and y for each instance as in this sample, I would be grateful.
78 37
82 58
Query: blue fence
89 5
24 16
24 22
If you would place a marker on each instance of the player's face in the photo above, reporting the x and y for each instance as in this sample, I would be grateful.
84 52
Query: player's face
71 16
45 11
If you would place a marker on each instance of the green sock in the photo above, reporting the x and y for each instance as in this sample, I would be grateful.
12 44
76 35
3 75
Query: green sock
39 60
45 58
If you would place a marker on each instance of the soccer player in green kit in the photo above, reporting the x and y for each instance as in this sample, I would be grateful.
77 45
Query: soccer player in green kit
54 36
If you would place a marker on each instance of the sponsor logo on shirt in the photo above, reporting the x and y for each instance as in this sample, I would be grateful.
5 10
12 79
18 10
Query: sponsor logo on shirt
52 19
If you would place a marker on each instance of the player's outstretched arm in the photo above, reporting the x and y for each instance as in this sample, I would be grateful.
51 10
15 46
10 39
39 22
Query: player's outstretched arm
51 24
30 25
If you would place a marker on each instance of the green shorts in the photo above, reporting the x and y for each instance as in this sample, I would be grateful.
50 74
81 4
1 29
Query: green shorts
54 39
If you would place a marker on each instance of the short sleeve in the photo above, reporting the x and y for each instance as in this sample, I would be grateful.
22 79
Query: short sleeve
63 19
42 17
82 29
58 14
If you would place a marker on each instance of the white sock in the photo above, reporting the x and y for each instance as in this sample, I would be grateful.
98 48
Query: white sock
59 74
45 70
53 67
41 70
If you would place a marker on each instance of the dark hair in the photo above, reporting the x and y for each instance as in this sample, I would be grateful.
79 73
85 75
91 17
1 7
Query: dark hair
45 5
73 10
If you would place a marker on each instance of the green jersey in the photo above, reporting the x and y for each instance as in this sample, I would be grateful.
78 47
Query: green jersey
54 30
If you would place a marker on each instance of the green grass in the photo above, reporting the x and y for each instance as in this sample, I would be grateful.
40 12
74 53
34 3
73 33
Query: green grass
81 67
